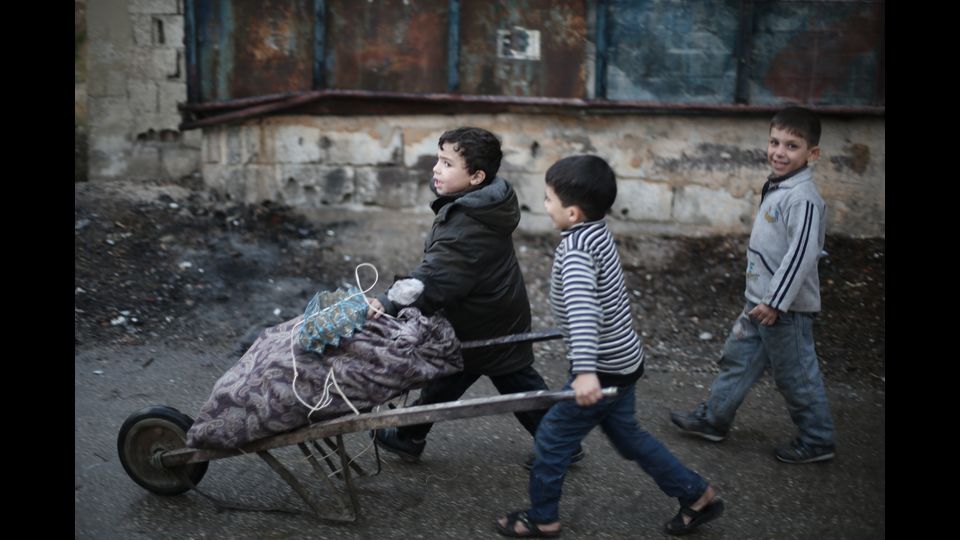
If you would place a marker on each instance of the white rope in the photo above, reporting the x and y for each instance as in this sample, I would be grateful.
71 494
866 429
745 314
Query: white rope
351 460
331 380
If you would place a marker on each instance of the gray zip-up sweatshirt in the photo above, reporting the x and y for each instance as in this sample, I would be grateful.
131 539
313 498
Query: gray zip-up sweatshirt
785 244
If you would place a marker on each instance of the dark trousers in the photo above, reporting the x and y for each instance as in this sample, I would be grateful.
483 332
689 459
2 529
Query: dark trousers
566 425
453 387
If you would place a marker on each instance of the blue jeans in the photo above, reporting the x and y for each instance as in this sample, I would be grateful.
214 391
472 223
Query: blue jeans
567 424
787 348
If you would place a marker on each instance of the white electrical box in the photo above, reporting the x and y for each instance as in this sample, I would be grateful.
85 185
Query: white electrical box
518 44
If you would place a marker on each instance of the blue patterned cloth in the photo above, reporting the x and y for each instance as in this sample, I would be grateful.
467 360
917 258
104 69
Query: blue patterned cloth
331 315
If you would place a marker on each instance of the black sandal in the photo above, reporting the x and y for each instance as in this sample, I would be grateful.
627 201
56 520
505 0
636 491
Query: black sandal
532 530
710 512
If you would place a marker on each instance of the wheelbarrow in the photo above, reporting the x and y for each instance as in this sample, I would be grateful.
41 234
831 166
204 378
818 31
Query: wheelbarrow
153 451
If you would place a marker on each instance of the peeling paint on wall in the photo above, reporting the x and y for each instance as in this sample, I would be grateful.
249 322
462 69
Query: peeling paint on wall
683 175
714 157
857 158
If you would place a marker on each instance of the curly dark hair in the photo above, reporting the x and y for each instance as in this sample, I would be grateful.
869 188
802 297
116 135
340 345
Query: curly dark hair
480 150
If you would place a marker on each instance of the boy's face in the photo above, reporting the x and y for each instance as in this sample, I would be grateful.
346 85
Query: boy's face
787 152
563 217
450 173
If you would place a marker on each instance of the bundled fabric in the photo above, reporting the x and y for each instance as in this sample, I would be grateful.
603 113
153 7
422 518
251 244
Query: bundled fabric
331 315
254 399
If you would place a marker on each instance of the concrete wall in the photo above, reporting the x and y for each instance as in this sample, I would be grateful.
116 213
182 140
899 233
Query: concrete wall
677 174
135 77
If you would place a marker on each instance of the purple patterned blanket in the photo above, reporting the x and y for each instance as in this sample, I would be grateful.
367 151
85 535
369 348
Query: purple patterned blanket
254 399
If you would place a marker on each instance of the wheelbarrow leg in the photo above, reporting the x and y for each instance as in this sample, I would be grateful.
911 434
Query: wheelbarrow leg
341 500
351 491
300 490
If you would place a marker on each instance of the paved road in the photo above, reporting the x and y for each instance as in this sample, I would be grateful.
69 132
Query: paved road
471 469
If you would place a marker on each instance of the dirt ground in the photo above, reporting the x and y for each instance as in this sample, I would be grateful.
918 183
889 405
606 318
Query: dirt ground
182 265
172 284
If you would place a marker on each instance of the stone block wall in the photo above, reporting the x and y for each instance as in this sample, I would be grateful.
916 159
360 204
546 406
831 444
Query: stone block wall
136 75
676 174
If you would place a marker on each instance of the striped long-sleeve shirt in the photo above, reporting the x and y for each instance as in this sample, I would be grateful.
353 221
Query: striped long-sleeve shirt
590 302
785 245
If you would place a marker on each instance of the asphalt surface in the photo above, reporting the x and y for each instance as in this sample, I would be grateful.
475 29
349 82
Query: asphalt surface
471 470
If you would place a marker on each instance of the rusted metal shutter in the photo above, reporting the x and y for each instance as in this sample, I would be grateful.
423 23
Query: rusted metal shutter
251 48
255 57
524 48
818 53
672 51
389 45
826 52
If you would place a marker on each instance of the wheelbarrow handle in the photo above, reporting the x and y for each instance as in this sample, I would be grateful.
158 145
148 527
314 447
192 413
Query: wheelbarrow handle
532 337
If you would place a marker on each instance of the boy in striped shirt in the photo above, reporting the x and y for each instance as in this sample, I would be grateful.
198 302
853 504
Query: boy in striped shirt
775 328
590 302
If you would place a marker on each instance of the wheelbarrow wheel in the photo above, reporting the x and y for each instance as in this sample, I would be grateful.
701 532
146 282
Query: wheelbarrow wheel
148 433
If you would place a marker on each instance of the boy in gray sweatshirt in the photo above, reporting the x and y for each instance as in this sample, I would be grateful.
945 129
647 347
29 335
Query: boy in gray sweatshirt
775 329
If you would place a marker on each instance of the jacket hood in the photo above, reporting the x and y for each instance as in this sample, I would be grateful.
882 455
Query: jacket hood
495 205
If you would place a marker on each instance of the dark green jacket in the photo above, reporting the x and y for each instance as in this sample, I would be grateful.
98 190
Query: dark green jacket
470 271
